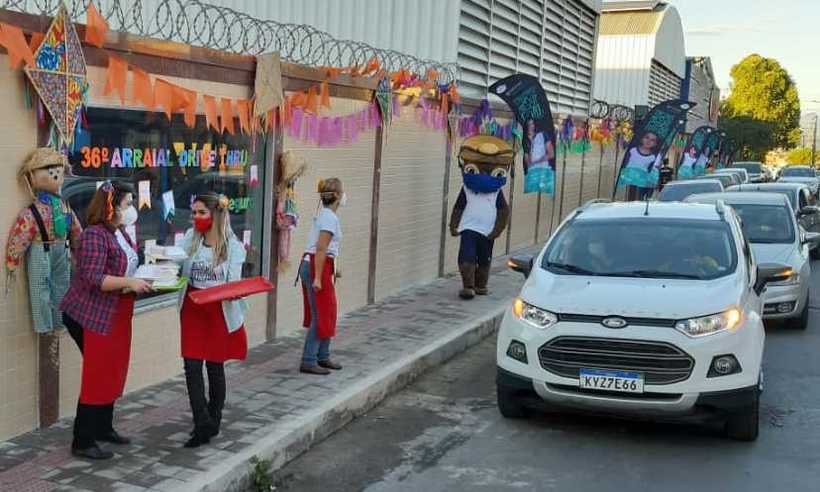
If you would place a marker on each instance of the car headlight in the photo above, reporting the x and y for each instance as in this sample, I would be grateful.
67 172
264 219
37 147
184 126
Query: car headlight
794 279
708 325
532 315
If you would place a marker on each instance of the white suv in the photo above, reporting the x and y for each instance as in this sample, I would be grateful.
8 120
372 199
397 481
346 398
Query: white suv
640 309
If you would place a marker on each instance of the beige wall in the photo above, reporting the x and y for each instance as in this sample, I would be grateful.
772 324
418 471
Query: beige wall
353 164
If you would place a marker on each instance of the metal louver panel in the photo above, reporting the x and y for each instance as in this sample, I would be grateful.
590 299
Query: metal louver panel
663 84
553 40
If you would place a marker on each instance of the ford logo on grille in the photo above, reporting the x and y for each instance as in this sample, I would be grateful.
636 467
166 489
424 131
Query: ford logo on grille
614 322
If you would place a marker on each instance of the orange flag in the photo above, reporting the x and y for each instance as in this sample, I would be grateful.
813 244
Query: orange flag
445 104
372 66
311 104
36 39
11 37
324 95
164 96
96 27
210 112
298 99
185 100
143 92
244 107
115 81
227 115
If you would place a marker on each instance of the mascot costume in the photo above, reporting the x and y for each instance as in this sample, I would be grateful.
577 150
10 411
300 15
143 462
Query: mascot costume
481 212
42 236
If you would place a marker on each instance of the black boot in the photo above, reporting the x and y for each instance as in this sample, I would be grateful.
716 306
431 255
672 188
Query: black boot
105 430
203 427
216 394
86 423
467 280
482 277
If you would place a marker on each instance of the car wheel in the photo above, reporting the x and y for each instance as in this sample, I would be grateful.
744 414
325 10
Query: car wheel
509 405
744 425
802 321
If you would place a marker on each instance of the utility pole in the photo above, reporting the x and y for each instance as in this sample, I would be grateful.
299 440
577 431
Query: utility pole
814 141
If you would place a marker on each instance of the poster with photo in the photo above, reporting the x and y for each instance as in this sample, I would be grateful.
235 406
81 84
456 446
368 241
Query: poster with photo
709 149
528 101
693 150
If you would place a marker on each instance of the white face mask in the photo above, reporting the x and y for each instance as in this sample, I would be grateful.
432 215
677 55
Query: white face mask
343 200
129 216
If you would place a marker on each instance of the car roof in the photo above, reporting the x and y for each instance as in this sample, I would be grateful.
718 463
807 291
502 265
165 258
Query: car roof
797 167
740 197
691 182
657 210
768 186
734 170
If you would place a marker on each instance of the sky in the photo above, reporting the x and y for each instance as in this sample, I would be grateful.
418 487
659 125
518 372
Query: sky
728 30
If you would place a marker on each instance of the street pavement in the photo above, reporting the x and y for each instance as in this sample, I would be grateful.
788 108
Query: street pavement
444 433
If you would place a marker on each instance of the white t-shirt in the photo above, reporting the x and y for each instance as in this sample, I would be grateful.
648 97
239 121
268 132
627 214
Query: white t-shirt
645 162
203 272
130 254
480 212
329 222
688 161
538 150
702 161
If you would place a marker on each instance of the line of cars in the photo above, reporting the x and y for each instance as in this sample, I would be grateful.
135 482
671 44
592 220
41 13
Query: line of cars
656 309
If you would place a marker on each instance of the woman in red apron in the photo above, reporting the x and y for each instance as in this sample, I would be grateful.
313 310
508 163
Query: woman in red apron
97 312
211 333
318 274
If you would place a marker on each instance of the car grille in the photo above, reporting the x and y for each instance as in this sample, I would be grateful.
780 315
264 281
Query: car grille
660 363
588 318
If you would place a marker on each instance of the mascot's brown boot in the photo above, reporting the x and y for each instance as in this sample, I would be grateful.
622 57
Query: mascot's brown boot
468 280
482 276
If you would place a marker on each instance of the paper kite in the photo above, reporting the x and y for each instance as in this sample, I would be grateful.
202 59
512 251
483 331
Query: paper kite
59 74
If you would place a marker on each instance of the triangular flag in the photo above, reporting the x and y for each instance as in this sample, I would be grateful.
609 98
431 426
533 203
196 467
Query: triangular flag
164 96
11 37
243 105
115 80
96 27
312 103
298 100
184 100
143 92
210 112
372 66
324 95
227 115
36 39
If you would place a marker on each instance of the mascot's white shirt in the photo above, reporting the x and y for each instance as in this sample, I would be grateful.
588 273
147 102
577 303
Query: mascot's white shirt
480 213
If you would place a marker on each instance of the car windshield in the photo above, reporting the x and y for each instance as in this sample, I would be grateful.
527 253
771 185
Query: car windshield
645 248
677 192
798 172
750 167
765 223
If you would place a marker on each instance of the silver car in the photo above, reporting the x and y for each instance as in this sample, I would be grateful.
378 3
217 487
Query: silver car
740 172
770 226
801 174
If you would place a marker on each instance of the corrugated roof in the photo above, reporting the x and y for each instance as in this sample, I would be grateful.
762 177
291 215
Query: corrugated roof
633 5
632 22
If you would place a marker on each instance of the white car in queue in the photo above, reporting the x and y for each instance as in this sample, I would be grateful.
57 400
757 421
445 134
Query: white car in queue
642 310
770 225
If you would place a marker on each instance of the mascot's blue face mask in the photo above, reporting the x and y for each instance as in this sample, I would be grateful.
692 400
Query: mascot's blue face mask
483 183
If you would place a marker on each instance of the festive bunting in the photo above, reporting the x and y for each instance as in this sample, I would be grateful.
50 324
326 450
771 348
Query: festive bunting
226 116
184 100
144 194
312 101
115 79
164 96
210 112
253 181
244 110
96 28
324 95
143 92
11 38
168 209
57 72
36 39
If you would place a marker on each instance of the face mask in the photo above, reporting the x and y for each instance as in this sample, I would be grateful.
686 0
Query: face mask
129 216
343 200
483 183
203 224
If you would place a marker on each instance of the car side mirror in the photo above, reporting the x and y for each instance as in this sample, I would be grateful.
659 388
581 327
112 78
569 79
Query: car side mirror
771 272
809 210
811 238
521 263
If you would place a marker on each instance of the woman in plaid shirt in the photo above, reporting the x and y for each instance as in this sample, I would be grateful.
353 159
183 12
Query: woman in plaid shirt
97 309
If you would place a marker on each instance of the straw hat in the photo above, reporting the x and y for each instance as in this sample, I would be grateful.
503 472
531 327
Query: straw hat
293 166
486 149
41 158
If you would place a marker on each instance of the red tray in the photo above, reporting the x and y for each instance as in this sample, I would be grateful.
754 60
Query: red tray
231 290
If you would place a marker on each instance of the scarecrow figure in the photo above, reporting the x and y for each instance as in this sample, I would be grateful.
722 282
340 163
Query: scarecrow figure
481 212
287 217
42 236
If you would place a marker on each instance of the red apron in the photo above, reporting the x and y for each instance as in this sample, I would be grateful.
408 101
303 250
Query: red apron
325 300
205 335
106 357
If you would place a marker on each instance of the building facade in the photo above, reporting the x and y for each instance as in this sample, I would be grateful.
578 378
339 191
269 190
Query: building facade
641 57
699 86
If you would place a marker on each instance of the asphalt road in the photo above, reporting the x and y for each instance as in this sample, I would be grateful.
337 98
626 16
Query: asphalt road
444 433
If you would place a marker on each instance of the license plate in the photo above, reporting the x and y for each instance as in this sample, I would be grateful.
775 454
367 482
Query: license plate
604 380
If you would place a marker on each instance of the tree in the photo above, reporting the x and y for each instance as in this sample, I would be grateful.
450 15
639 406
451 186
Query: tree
799 156
763 109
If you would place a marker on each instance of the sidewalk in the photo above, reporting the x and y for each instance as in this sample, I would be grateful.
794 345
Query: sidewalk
272 411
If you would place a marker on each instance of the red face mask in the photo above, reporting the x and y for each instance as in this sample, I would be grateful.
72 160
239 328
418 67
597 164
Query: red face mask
203 224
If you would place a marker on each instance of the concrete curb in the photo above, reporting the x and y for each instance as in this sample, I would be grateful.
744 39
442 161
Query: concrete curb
289 440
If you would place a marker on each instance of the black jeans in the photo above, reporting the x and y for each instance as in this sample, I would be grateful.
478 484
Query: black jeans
475 248
207 413
91 421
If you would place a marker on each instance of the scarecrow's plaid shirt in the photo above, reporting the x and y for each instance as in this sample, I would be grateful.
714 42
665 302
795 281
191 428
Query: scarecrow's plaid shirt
85 302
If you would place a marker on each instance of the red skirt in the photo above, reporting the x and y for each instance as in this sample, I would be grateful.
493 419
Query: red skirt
106 357
326 307
205 335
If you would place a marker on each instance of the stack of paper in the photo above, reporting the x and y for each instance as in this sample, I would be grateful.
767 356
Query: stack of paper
158 272
173 253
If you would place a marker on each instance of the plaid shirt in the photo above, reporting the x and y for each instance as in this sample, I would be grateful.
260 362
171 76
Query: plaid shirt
99 255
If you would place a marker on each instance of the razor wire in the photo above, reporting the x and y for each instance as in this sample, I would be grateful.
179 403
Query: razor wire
226 29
